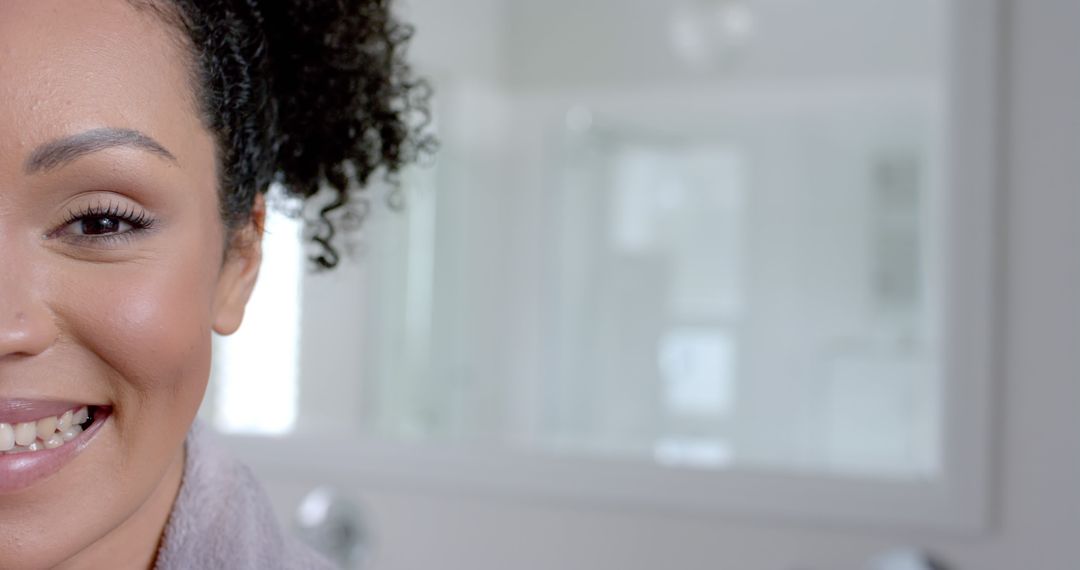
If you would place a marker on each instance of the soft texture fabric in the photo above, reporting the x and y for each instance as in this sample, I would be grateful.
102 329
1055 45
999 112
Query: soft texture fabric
222 519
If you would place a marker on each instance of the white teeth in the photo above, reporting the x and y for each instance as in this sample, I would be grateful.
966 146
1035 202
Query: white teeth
7 437
65 421
46 433
25 433
72 433
55 440
46 427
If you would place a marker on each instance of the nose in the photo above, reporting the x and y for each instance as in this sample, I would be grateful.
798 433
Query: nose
26 324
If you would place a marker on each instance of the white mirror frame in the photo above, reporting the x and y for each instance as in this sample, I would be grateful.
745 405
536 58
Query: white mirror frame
957 502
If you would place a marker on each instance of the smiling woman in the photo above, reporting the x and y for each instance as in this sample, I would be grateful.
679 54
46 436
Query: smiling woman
137 139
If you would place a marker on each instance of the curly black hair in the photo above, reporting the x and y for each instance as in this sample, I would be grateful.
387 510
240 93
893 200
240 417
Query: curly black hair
311 94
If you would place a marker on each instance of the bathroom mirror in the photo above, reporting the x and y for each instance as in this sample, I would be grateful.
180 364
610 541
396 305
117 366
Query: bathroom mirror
731 255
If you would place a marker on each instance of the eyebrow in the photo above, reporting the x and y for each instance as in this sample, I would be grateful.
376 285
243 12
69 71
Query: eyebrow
59 152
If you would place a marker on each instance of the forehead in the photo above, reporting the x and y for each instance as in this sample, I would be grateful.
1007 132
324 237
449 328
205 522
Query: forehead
72 65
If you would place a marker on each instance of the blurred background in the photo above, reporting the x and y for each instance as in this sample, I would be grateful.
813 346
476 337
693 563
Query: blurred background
694 284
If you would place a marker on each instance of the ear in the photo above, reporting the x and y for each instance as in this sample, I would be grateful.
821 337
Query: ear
239 272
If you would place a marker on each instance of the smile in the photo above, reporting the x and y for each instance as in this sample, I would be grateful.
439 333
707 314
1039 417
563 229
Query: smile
37 439
46 433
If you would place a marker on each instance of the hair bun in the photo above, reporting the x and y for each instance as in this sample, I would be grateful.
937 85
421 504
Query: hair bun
345 99
311 94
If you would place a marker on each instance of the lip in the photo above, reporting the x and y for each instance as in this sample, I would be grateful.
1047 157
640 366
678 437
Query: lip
21 470
18 411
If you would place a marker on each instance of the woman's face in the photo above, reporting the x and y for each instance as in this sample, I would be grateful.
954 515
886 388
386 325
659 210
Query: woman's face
111 277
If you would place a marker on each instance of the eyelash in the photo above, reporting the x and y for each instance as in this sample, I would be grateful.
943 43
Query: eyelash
138 220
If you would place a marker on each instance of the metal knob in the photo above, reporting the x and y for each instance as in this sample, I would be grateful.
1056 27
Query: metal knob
905 559
333 525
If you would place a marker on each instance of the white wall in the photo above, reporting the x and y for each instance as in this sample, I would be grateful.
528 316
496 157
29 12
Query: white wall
615 42
1037 465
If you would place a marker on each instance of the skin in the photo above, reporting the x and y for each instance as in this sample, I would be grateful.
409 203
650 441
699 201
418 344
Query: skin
124 322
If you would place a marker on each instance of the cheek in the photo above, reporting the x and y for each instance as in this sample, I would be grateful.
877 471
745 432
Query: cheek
148 329
160 331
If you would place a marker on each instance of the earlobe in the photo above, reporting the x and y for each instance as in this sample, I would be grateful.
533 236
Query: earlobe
240 272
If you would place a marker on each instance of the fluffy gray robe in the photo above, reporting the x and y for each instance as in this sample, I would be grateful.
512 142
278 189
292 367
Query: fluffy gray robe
222 519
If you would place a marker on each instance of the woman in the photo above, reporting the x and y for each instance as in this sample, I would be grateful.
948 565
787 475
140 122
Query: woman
137 138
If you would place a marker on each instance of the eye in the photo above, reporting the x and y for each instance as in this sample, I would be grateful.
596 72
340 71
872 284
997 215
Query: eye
103 223
97 225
